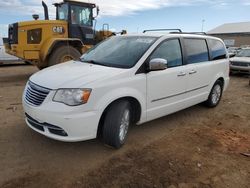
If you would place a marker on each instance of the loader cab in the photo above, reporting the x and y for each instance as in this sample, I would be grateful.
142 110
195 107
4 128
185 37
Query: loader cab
80 20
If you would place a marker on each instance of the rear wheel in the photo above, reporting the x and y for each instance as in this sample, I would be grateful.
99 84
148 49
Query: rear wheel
63 54
116 124
215 94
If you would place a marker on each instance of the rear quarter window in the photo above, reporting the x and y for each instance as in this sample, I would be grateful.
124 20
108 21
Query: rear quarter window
217 49
196 50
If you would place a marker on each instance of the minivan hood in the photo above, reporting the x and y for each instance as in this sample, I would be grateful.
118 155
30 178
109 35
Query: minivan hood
73 74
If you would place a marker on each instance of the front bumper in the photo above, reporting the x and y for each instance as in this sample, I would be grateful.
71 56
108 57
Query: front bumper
242 69
62 125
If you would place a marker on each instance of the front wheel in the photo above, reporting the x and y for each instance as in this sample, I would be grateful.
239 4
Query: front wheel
215 94
116 124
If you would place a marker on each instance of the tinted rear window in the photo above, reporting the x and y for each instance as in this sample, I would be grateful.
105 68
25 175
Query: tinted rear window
196 50
217 49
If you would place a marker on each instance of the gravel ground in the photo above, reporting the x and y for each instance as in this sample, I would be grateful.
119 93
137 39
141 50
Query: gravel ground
196 147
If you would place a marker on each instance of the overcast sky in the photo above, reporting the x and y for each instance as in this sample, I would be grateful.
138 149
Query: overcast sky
137 15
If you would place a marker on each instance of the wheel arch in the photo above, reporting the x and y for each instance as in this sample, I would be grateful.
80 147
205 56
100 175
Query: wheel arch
220 76
222 80
135 107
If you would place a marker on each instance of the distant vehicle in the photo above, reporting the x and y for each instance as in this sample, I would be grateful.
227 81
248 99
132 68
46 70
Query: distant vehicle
124 80
232 51
4 57
245 46
241 62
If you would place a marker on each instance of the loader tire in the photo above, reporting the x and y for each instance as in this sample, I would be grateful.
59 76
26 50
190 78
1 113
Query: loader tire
63 54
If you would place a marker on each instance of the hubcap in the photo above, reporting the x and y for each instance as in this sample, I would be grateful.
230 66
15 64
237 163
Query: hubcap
216 94
124 125
66 58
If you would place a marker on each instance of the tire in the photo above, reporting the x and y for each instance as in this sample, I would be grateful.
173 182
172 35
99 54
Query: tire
215 95
63 54
27 63
116 124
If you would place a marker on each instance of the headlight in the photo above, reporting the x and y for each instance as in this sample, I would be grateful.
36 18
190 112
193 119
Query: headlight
72 97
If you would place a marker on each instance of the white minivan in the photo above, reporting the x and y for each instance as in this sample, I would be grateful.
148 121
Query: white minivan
125 80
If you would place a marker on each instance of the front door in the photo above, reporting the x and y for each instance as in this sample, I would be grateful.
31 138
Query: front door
166 89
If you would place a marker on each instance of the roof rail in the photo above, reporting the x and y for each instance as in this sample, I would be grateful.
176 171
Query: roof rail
176 30
196 33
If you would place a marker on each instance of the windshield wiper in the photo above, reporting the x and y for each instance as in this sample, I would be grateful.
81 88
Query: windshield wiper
88 61
102 64
94 62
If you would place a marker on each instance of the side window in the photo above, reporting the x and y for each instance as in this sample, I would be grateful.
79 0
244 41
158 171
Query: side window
171 51
196 50
217 48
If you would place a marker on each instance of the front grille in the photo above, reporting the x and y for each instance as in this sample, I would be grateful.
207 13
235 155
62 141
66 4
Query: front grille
40 126
240 64
35 95
34 123
13 33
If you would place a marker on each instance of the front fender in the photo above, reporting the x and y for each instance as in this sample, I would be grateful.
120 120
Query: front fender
218 76
120 93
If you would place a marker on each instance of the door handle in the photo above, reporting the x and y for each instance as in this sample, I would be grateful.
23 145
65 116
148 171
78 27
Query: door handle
192 72
182 74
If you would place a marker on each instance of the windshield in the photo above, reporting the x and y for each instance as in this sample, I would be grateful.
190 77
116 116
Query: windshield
244 53
81 15
120 51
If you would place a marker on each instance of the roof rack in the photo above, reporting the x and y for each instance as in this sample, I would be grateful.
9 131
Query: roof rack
196 33
178 30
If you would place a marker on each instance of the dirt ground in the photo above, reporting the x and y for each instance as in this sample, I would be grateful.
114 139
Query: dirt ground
196 147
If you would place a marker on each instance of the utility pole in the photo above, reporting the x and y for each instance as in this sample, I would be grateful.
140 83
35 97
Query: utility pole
202 25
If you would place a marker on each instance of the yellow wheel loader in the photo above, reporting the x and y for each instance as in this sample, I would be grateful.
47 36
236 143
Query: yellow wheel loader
48 42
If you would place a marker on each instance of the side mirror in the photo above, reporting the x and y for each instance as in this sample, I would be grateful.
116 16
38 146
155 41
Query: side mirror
97 12
158 64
